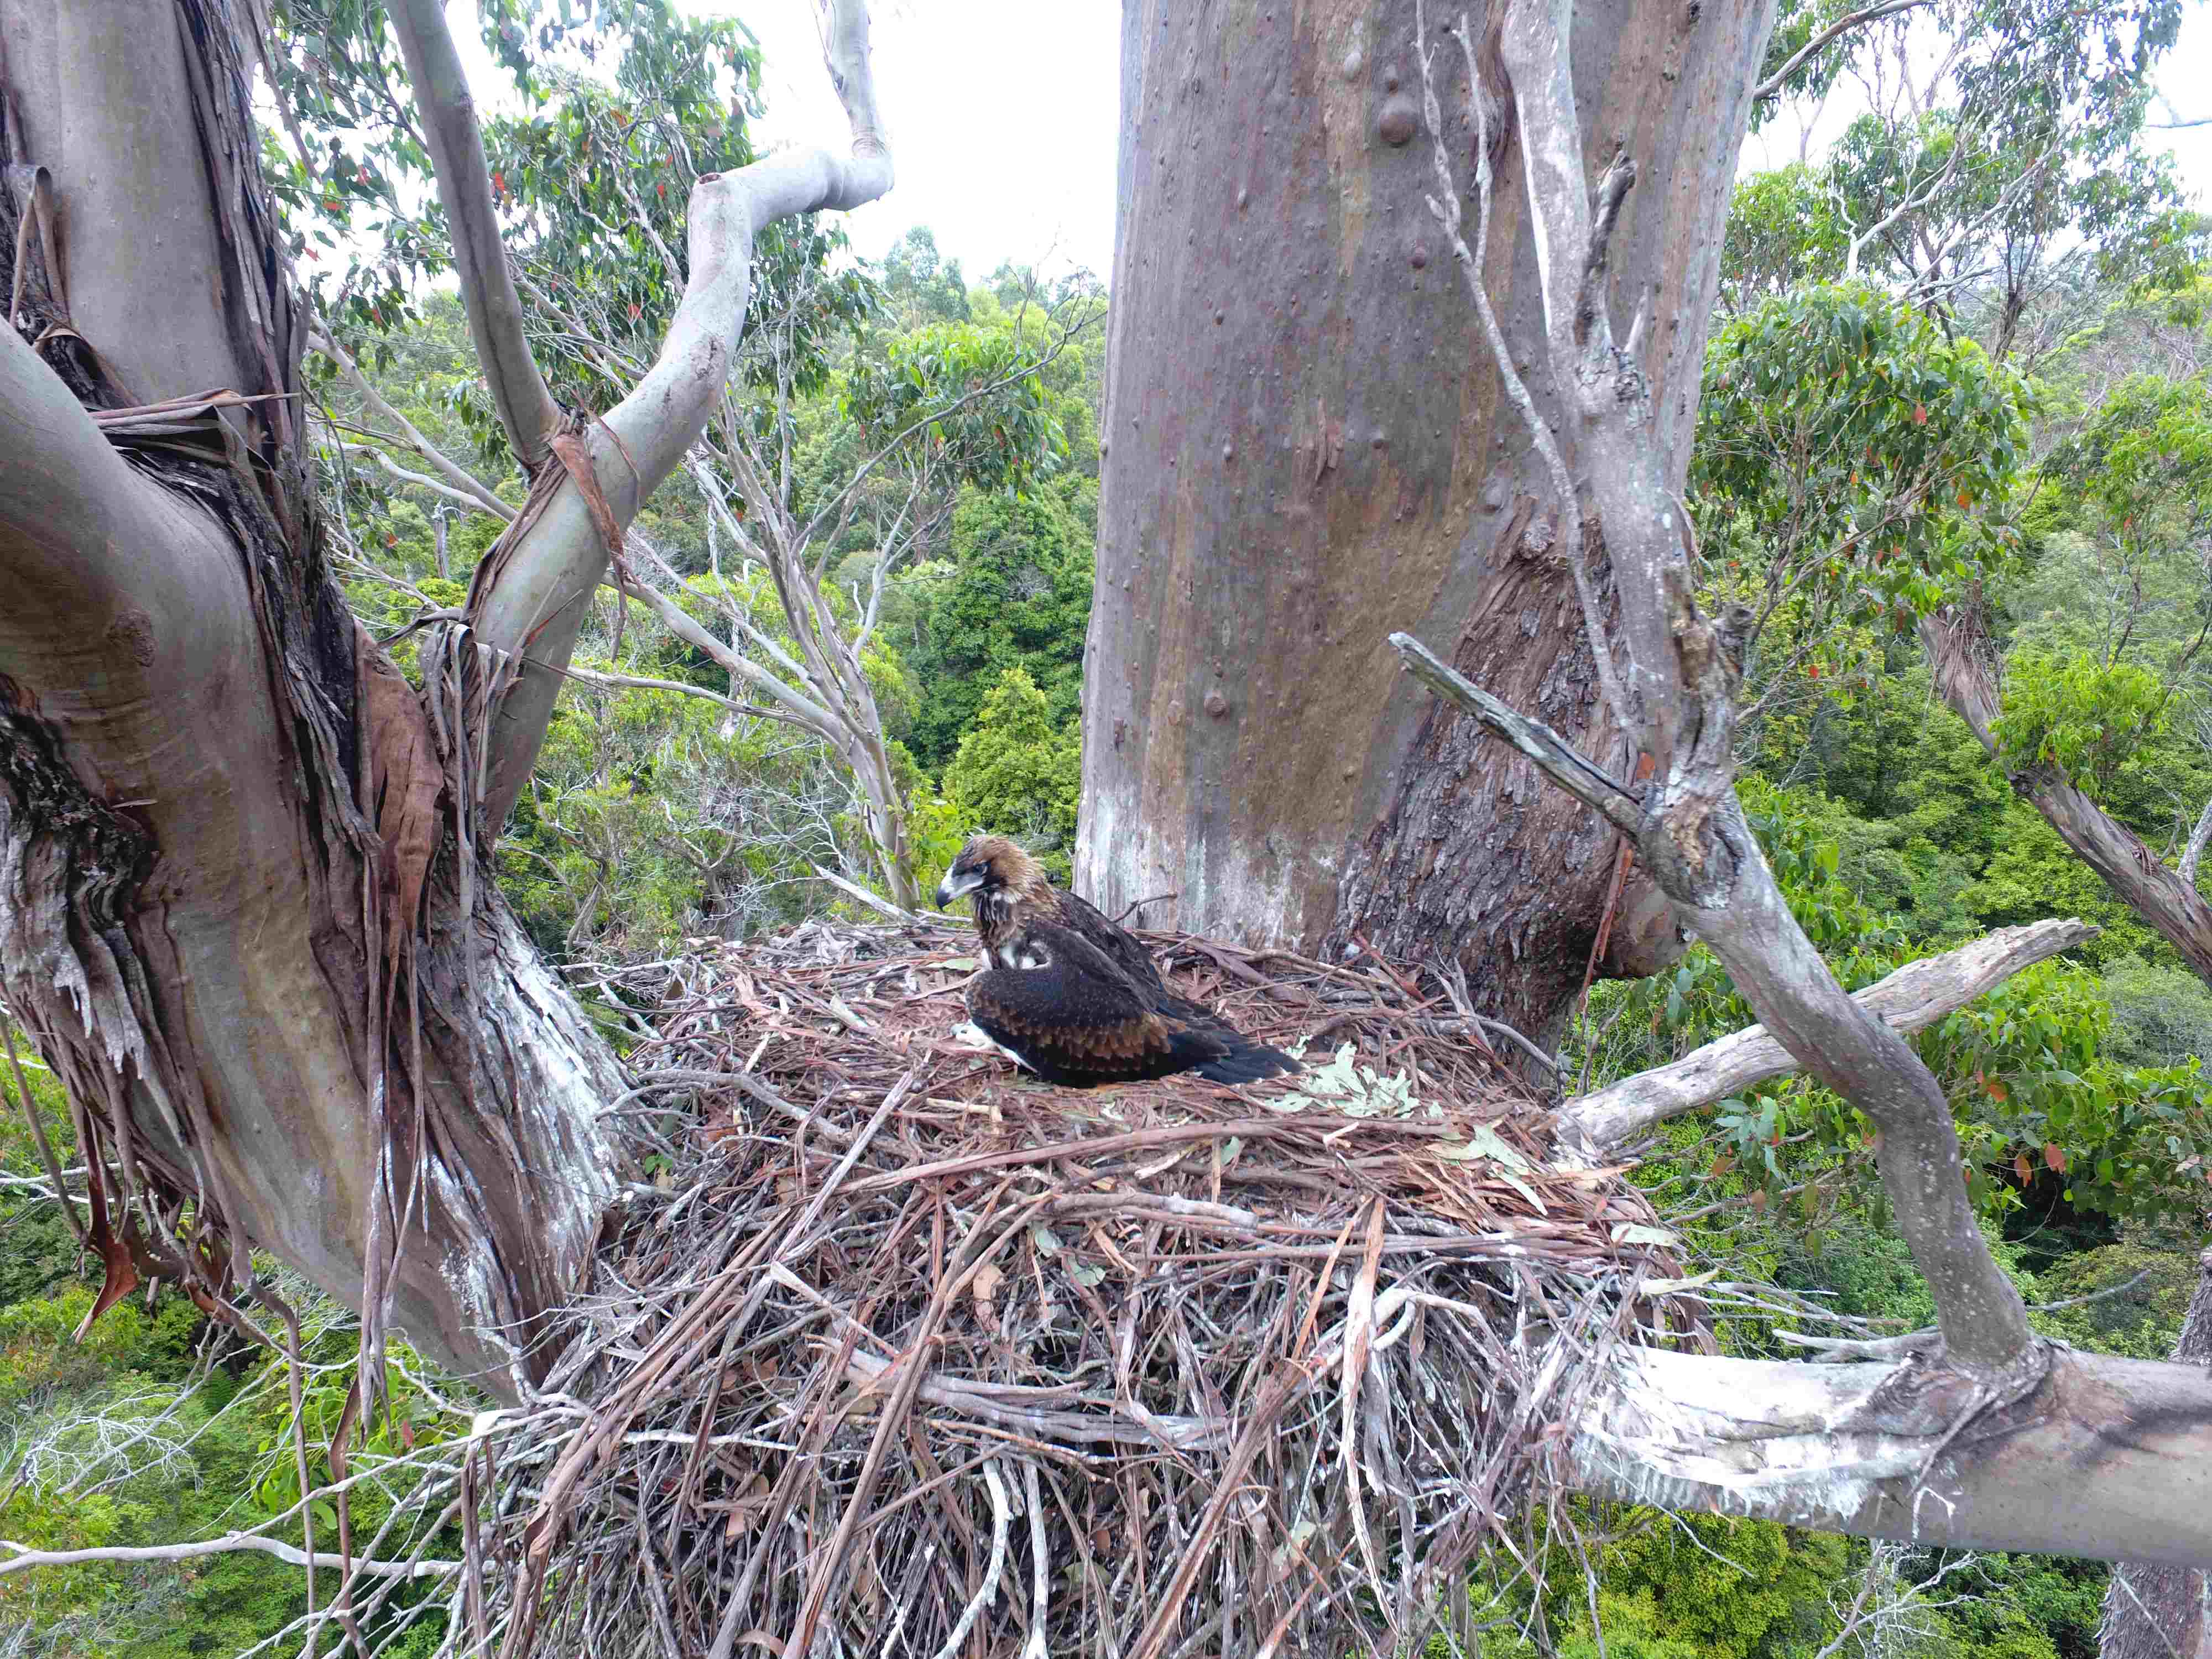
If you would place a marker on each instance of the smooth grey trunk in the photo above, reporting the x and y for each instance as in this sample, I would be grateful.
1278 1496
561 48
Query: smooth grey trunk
1306 447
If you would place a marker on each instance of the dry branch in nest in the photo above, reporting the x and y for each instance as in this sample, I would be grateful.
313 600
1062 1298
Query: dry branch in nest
904 1354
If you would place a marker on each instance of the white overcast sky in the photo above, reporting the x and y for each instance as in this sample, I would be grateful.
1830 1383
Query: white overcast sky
1003 117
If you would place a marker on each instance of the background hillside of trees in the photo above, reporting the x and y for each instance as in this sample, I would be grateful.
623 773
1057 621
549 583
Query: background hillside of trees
2003 391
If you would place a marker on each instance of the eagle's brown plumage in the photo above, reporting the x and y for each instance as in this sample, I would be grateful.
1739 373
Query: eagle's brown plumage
1073 997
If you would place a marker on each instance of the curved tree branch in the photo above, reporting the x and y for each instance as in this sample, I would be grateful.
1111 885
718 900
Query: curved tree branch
539 587
449 123
2166 901
1819 43
116 568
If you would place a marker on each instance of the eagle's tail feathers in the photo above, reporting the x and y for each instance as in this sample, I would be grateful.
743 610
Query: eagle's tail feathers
1247 1061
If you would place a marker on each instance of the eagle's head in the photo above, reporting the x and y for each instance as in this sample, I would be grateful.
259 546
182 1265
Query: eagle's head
989 865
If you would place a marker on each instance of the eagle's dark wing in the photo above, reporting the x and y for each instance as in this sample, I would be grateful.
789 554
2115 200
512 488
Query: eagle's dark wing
1079 1017
1081 916
1242 1060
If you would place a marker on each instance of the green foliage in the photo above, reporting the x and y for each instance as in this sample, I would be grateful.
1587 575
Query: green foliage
2004 181
2143 462
1851 430
2031 874
2143 1320
1782 230
1018 597
920 284
2162 1014
131 1439
1708 1585
654 816
2085 717
1018 774
971 394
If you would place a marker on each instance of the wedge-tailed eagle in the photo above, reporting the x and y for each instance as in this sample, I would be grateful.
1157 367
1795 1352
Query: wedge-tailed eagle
1072 996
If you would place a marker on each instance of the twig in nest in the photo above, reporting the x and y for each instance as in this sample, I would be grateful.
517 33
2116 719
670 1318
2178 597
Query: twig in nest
988 1593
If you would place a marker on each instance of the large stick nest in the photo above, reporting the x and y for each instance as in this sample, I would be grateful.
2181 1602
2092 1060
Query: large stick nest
905 1354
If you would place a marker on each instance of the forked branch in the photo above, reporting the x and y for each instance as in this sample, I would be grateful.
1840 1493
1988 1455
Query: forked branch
536 588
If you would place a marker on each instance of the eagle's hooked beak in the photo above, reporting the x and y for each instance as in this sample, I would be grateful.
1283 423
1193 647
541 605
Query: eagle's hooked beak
955 882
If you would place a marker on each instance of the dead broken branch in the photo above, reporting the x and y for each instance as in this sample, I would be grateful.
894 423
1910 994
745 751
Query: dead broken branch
1910 1000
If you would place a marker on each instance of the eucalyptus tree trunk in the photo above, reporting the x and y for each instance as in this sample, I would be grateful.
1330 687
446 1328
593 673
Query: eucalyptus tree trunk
1306 447
246 904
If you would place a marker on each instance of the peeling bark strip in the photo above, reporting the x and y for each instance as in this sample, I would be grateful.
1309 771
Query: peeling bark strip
2166 900
2106 1458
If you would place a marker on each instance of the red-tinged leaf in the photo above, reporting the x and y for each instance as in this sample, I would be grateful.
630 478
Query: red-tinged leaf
1964 499
1997 1091
1920 415
2020 1167
633 312
2054 1158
